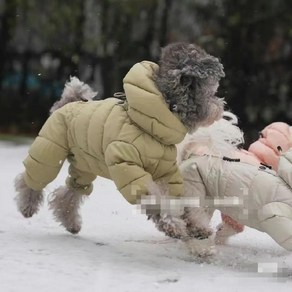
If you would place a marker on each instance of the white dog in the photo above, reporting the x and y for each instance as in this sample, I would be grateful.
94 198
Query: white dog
218 175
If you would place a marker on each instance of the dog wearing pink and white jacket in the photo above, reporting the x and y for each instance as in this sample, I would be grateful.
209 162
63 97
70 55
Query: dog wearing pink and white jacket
274 139
239 183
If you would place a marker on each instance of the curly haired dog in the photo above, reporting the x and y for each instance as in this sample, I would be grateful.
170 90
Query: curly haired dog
130 140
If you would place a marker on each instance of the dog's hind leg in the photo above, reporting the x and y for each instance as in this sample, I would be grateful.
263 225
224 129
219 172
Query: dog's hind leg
28 201
66 200
65 204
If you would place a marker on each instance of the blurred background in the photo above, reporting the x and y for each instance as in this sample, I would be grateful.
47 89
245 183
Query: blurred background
42 43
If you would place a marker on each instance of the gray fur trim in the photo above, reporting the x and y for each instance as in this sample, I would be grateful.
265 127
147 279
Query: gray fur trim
188 78
75 90
65 204
28 201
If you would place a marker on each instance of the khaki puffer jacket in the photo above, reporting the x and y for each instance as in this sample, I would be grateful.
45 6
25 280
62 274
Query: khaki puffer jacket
253 195
132 142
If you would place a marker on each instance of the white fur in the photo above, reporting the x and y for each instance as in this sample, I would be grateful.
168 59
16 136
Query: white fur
221 138
65 204
75 90
27 200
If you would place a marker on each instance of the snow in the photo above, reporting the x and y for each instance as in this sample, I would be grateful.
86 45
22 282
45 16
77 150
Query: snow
119 250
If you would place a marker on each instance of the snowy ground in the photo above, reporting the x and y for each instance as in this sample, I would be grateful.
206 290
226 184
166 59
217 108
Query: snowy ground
119 250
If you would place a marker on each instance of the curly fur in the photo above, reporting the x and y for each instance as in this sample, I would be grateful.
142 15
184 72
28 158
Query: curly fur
28 201
75 90
188 78
65 204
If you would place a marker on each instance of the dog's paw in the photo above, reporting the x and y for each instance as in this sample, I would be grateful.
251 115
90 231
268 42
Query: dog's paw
202 248
28 211
29 203
171 226
74 229
65 204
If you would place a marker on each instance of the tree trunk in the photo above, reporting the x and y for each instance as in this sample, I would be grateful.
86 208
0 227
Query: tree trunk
7 20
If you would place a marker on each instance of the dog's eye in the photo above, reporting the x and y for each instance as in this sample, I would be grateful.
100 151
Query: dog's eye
186 80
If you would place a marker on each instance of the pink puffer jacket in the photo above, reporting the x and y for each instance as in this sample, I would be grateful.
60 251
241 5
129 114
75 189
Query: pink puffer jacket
277 136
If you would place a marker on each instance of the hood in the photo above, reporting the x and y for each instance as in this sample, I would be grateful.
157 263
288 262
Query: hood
147 107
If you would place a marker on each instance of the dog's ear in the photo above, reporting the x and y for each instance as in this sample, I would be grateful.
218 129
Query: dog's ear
210 67
204 68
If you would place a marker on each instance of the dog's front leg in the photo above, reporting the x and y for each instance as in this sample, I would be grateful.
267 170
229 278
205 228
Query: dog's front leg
198 240
171 226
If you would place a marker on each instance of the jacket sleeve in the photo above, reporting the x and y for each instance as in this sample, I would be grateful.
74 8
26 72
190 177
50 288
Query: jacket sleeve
80 180
127 170
285 167
276 220
47 153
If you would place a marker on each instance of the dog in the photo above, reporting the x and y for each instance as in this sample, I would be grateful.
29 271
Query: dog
130 139
192 225
219 174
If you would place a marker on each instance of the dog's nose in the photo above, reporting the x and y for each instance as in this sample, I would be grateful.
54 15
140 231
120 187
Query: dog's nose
173 107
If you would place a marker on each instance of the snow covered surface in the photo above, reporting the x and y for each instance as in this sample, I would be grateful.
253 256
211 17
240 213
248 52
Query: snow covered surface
119 250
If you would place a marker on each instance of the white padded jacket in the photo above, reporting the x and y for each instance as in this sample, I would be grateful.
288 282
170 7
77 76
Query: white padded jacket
254 196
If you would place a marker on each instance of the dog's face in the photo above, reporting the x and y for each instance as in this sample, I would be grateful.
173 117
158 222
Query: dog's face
188 79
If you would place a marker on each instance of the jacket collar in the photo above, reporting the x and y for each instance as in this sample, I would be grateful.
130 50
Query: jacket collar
147 107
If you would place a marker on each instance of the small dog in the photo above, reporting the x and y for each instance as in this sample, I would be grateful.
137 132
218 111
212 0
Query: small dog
130 140
219 175
222 138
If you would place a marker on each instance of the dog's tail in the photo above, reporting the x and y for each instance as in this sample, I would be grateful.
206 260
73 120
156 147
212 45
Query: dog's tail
74 90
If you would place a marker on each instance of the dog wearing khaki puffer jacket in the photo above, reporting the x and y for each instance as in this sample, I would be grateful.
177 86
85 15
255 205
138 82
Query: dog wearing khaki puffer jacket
131 140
